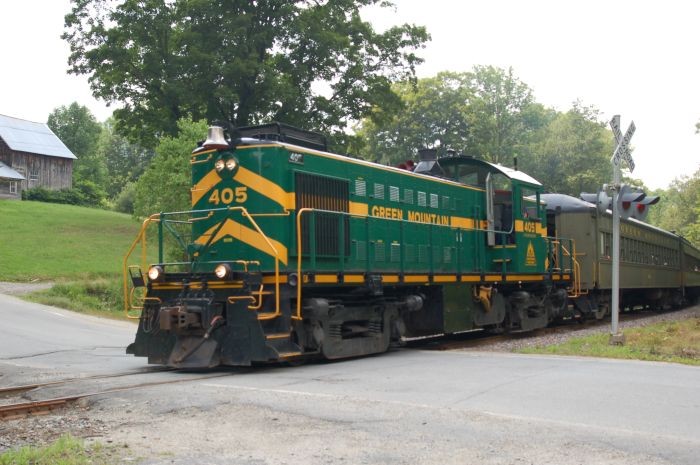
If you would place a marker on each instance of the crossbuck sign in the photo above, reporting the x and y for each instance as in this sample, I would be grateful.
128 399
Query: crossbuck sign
622 151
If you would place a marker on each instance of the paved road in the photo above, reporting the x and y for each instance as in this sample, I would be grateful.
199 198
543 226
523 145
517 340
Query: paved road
403 407
55 340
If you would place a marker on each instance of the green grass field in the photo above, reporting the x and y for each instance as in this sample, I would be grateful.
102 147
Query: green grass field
80 249
673 341
44 241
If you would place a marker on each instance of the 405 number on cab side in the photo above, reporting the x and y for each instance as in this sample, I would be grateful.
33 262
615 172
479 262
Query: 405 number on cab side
228 195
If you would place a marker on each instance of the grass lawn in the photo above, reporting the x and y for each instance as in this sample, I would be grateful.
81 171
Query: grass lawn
45 241
672 341
81 249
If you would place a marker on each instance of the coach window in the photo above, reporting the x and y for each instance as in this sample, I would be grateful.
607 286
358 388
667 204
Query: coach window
605 245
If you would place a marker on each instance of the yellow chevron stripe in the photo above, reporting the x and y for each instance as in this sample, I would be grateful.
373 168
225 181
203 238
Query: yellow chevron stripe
265 187
245 235
204 185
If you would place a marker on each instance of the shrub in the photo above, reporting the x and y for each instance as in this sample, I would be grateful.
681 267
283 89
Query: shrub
124 202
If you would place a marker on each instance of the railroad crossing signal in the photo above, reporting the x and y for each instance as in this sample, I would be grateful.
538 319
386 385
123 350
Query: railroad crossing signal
622 150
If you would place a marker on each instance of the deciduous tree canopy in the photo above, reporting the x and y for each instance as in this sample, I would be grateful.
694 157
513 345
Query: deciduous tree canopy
76 126
679 208
487 113
316 64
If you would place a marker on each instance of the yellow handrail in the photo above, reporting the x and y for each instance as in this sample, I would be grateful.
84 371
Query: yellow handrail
194 162
300 277
257 303
140 237
576 288
277 312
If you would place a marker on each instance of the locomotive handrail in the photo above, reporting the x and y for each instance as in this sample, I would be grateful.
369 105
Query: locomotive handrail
278 311
300 277
312 244
559 253
140 237
160 218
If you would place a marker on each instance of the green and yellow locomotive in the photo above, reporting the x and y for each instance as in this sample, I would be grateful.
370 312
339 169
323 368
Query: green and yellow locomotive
290 252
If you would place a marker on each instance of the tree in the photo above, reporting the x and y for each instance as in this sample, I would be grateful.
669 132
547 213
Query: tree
433 114
487 113
315 64
125 161
503 115
76 126
572 153
679 208
165 185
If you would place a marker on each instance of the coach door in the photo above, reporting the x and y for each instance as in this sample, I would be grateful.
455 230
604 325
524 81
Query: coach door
499 210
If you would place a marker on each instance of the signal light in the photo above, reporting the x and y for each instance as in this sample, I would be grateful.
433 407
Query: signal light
641 209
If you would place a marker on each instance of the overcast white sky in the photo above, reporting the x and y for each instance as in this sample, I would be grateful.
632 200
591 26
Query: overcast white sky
638 59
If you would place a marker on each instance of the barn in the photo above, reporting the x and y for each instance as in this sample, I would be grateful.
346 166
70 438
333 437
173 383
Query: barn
31 155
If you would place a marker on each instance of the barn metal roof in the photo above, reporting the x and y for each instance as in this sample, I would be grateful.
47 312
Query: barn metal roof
8 173
28 136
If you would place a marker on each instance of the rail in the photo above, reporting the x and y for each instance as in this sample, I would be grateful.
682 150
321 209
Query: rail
140 237
477 263
557 252
163 222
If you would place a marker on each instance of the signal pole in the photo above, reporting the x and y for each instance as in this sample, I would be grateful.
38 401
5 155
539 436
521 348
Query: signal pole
621 152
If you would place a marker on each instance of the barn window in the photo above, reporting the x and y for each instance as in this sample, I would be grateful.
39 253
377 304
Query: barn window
13 187
33 175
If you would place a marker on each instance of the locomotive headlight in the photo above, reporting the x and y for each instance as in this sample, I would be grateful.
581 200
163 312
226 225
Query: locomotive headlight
222 271
231 164
155 273
219 164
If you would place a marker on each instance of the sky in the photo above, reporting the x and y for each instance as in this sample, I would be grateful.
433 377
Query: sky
638 59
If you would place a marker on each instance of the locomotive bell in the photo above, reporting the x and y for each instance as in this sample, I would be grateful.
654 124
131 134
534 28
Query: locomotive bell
215 138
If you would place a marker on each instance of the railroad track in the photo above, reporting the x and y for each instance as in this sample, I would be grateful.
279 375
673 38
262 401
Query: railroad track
15 390
479 338
41 407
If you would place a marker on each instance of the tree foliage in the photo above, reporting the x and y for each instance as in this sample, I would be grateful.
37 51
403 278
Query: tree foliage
487 113
76 126
503 115
679 208
434 114
124 161
311 63
165 185
572 153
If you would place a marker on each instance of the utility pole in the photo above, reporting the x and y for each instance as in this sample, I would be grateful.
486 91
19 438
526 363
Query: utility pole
621 152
